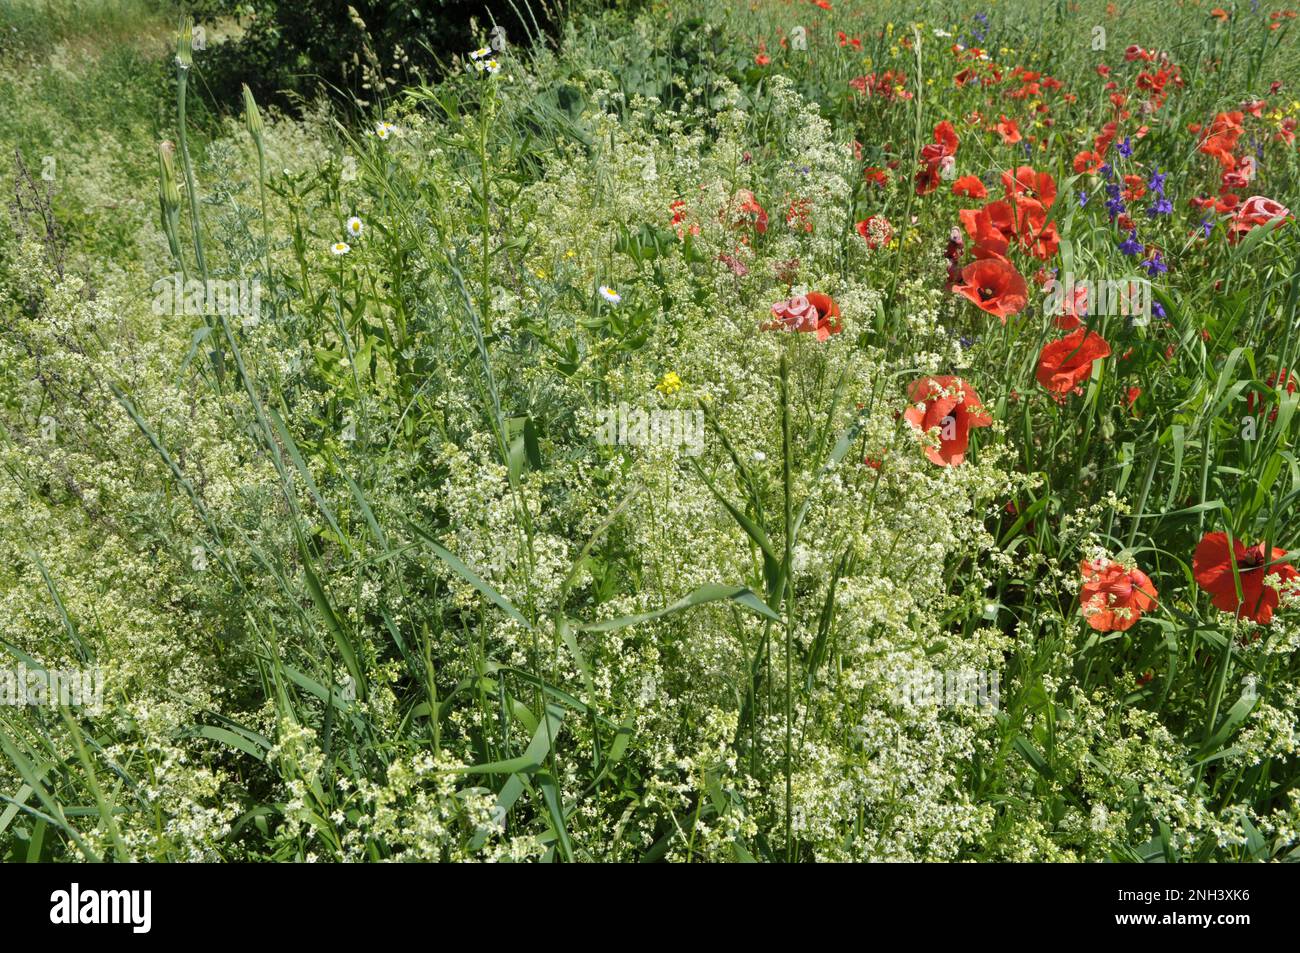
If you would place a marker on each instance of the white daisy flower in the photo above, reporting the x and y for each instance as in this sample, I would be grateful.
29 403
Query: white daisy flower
493 66
481 52
340 248
384 129
354 226
610 295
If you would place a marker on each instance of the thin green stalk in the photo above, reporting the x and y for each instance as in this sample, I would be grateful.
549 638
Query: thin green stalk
787 453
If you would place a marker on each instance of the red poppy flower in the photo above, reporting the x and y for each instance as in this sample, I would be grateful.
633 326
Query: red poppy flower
1024 181
1220 139
799 215
970 186
813 312
875 231
745 210
1074 305
990 228
1029 225
933 157
1272 381
1020 219
1064 365
1112 598
1227 202
1134 188
1212 568
951 405
1088 162
1009 131
993 285
679 210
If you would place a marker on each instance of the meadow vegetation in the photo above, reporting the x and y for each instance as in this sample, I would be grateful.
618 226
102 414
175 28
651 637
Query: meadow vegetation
644 440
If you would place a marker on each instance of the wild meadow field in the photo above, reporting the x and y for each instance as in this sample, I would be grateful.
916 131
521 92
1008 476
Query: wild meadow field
762 431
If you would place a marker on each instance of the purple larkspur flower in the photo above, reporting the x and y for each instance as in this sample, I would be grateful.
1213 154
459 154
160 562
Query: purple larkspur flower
1131 245
1126 147
1155 265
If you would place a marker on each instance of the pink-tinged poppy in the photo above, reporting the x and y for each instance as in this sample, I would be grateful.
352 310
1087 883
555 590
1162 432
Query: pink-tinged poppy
952 406
1212 568
1255 212
1112 597
814 313
1064 365
993 285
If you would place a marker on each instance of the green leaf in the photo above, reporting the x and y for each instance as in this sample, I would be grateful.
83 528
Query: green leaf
571 643
471 577
714 592
227 737
1237 714
551 797
547 731
335 625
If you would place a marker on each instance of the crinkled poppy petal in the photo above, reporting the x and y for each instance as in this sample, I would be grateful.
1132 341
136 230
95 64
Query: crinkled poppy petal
1210 564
